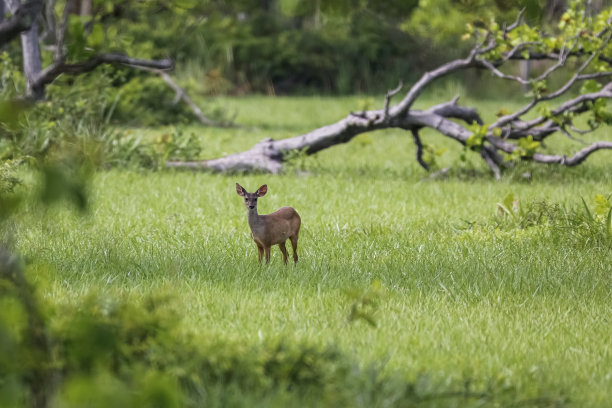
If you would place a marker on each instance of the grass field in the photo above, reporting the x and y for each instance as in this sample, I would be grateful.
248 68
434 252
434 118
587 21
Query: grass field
461 293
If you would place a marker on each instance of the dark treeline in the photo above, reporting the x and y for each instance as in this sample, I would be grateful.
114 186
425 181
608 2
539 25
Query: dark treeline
331 46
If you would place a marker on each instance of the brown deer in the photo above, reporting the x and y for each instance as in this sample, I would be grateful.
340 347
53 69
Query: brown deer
271 229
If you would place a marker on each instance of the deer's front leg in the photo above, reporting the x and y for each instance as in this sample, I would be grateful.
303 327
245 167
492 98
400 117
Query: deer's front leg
260 252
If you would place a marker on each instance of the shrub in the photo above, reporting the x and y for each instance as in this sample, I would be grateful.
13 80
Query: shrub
148 101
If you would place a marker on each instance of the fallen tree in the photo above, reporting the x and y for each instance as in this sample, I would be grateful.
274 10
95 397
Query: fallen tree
583 40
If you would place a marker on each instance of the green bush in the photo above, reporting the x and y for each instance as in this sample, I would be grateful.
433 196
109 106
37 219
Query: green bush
581 225
148 101
76 124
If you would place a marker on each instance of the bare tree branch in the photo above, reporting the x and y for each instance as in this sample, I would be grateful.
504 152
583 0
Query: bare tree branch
388 97
574 160
58 68
517 22
501 75
419 149
429 77
606 92
22 18
487 156
562 90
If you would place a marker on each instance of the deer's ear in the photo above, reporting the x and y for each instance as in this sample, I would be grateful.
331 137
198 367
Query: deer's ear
240 190
261 191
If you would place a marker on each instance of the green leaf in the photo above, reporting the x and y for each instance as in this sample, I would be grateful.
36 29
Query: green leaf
507 206
96 38
590 86
602 205
545 111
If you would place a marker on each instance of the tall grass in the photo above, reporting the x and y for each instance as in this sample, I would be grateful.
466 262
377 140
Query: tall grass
458 293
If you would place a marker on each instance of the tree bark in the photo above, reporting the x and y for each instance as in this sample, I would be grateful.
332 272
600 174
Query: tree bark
32 64
269 154
86 7
23 16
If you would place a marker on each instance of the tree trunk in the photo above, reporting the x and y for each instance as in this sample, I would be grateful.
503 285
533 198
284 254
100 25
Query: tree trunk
21 19
32 64
86 7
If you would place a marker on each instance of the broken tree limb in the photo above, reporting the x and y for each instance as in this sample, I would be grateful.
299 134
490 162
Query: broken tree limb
269 155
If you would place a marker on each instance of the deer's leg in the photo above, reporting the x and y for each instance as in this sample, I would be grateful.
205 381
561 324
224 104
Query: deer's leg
260 252
284 251
267 251
294 240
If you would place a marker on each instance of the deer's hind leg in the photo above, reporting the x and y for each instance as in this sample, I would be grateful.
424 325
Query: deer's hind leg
283 249
294 241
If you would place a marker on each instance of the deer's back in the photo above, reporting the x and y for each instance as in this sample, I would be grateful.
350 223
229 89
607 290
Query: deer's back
277 226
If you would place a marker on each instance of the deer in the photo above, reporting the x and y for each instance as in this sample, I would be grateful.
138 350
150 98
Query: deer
271 229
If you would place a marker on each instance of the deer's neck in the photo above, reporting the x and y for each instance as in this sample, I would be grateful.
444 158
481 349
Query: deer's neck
255 220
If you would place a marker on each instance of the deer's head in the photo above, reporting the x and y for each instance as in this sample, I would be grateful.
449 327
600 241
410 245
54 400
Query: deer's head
250 199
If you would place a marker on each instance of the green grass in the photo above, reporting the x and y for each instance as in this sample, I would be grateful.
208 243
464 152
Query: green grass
521 311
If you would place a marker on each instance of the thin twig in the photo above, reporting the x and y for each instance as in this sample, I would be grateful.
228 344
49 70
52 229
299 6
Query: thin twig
570 136
500 74
389 95
514 116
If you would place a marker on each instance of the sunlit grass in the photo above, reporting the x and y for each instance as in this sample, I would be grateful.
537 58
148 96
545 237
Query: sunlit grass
523 311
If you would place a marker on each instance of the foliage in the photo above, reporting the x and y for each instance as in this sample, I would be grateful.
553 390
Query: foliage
576 224
75 125
148 101
131 148
107 351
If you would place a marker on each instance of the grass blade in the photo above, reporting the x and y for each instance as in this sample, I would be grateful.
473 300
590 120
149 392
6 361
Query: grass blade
586 209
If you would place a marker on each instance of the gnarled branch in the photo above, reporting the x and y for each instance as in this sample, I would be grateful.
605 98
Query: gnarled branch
58 68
